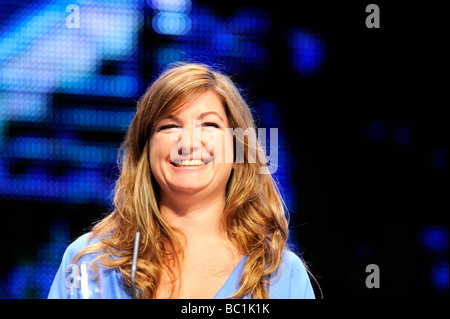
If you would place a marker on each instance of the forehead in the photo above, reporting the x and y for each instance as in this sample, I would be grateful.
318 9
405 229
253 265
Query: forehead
206 103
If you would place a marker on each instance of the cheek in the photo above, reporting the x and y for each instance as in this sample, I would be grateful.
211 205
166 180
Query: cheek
160 147
153 157
159 150
153 150
228 148
219 145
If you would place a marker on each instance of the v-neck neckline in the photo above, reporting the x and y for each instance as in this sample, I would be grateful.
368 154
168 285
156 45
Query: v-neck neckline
232 275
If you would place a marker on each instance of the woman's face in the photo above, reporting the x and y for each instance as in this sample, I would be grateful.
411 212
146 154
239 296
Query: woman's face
188 150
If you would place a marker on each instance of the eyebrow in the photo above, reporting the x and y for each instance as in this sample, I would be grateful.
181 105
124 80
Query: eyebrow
201 116
204 114
171 117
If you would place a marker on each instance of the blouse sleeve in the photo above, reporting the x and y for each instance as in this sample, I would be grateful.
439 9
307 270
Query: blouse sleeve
293 281
64 283
78 281
300 284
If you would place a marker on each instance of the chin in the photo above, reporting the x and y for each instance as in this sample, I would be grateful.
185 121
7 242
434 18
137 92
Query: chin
188 188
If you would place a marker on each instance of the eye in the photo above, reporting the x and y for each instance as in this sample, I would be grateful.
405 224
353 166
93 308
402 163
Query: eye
210 124
167 127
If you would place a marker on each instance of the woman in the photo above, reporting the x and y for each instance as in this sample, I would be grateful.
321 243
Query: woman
211 227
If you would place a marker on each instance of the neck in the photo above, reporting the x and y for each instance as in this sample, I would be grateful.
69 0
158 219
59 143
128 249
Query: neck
194 219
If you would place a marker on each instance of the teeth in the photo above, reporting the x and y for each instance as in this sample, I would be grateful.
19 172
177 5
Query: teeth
190 163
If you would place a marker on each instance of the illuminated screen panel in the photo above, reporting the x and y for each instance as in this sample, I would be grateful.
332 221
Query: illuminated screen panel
53 152
68 95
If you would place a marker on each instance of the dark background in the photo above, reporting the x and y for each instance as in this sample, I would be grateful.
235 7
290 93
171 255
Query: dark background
360 199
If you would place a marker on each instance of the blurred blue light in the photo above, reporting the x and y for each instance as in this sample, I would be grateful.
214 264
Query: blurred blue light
29 23
122 86
364 253
99 120
236 41
307 51
440 158
251 21
403 136
377 131
32 276
81 186
25 106
171 23
63 150
38 54
268 116
228 44
171 5
439 273
434 238
167 55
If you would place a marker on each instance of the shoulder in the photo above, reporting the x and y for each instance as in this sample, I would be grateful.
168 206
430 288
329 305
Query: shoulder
293 268
291 280
292 261
78 245
67 283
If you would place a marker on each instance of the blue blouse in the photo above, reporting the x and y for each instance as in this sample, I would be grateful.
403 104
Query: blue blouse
292 283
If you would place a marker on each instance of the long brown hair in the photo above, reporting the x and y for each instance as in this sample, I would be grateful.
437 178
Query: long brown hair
254 217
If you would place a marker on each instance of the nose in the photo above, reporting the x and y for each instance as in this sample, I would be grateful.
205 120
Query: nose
190 140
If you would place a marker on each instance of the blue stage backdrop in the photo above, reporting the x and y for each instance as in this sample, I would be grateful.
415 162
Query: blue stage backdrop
72 72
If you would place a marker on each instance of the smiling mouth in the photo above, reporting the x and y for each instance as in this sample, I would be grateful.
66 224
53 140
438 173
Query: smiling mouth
190 163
